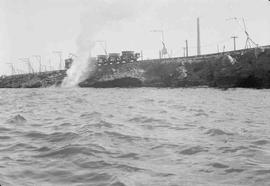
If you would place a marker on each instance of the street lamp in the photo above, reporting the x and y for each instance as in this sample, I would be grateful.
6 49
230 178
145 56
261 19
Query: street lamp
162 34
164 49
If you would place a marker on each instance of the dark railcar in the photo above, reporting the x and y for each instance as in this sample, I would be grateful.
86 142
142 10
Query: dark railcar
101 59
113 58
68 63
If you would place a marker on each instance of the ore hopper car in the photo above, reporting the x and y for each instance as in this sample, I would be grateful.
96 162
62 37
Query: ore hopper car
116 58
68 63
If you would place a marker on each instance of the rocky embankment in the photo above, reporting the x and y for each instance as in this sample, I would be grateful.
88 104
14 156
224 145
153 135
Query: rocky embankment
244 68
35 80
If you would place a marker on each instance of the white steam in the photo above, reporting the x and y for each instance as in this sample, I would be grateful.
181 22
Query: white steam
98 15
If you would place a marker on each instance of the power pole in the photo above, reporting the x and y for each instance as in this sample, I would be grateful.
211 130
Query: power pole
198 38
184 51
234 43
60 58
249 42
30 68
187 48
39 61
12 68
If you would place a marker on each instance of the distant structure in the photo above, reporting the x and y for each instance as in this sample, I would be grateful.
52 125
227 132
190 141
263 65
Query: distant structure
234 42
59 53
249 42
186 48
13 72
198 38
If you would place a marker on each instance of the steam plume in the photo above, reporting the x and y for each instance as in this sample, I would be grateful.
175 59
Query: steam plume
98 15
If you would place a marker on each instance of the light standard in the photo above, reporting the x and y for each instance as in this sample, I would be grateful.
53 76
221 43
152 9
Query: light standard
162 34
164 50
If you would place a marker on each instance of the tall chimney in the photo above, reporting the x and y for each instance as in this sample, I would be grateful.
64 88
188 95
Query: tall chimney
198 37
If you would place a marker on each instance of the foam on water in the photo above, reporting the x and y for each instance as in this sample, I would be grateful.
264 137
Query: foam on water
134 137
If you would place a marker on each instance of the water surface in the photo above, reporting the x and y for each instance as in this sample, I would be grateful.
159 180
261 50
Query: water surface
134 137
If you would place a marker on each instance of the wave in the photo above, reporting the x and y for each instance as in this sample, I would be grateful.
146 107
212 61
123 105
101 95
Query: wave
101 164
91 115
218 165
233 170
260 142
66 152
102 124
17 119
75 149
54 137
232 150
143 119
4 129
193 150
122 136
129 156
217 132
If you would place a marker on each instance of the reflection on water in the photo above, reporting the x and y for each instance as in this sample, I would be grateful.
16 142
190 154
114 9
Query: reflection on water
134 137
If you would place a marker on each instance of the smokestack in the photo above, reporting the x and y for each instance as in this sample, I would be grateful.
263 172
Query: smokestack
186 48
198 38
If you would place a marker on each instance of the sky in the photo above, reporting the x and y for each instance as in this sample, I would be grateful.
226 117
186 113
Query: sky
39 27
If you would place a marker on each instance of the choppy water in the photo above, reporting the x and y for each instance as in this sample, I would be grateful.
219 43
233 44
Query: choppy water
134 137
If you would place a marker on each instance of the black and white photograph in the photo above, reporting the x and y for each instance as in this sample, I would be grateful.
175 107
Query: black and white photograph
134 92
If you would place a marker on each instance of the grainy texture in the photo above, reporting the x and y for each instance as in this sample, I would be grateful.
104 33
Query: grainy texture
245 68
142 136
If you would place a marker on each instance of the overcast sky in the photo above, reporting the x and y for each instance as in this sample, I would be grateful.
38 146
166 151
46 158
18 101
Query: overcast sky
38 27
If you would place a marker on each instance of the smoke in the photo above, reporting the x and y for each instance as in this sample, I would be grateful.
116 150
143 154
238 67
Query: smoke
97 16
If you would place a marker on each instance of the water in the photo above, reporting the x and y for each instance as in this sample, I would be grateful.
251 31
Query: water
134 137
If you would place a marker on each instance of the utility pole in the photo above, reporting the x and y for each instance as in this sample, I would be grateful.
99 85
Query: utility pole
184 51
30 68
234 43
249 42
39 61
187 48
60 58
45 68
141 55
198 38
50 65
12 68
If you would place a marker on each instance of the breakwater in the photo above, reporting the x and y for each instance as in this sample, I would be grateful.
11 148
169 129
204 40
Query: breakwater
249 68
33 80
